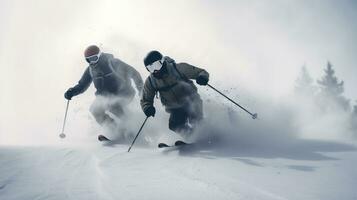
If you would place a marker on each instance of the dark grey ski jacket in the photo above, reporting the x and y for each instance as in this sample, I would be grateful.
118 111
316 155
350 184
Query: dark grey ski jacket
110 76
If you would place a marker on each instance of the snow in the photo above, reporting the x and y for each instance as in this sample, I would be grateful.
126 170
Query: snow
324 170
234 157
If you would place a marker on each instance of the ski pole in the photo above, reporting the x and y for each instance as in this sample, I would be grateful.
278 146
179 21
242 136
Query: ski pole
62 135
254 116
138 133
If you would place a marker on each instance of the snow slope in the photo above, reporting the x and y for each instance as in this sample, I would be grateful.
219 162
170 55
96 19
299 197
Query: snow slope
233 158
322 170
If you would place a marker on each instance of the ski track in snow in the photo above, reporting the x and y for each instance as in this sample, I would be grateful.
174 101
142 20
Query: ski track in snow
110 173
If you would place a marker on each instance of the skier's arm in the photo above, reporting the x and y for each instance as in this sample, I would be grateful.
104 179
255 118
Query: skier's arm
132 73
83 83
136 77
191 72
147 98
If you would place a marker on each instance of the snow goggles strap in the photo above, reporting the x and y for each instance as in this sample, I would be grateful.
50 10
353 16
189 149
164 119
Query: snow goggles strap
155 66
93 59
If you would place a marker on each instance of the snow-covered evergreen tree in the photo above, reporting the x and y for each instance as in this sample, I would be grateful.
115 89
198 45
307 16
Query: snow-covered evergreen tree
304 84
332 89
329 83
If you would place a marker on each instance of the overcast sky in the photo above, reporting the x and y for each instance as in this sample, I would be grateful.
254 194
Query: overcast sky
256 45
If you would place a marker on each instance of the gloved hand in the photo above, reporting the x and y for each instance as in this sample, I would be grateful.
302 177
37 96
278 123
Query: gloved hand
202 80
150 111
69 94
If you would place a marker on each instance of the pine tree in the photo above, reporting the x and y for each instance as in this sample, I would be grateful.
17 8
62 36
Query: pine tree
329 84
332 88
304 83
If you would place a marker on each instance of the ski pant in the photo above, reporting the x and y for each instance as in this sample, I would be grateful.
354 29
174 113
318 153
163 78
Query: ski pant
103 104
190 112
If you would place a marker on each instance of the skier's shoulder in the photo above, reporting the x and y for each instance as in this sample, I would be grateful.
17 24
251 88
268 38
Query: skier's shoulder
185 69
86 76
184 65
87 71
117 62
149 83
169 59
108 56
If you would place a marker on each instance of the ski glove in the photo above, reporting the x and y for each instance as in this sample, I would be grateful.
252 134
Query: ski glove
202 80
150 111
69 94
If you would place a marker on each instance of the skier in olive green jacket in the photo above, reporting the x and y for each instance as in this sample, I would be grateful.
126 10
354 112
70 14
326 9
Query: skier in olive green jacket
178 94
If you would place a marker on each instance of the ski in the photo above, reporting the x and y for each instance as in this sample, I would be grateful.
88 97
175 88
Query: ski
162 145
180 143
102 138
177 144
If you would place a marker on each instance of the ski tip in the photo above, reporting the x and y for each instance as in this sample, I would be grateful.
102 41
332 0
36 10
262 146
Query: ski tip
162 145
102 138
179 143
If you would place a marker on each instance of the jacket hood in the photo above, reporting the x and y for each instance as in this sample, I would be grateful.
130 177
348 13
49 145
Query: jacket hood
107 56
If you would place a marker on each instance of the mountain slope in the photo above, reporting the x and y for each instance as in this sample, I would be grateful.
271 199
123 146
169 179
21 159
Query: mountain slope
196 172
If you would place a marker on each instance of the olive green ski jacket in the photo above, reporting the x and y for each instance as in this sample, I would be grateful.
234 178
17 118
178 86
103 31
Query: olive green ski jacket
175 88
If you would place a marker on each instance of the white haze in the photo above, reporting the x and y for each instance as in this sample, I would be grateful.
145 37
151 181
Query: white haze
253 52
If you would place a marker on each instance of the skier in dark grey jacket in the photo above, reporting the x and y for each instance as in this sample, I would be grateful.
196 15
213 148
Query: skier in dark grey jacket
112 80
177 91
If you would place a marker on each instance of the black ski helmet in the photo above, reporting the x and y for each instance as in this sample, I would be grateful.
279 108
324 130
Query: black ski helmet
151 57
91 50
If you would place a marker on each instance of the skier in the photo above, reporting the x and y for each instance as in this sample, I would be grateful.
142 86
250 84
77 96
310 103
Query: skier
112 80
178 94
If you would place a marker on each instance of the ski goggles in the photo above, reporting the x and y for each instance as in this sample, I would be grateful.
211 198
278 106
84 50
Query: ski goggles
155 66
93 59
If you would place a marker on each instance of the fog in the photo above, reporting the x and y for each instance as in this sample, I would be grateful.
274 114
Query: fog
252 50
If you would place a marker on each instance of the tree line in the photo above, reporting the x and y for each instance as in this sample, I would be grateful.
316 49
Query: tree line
327 92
